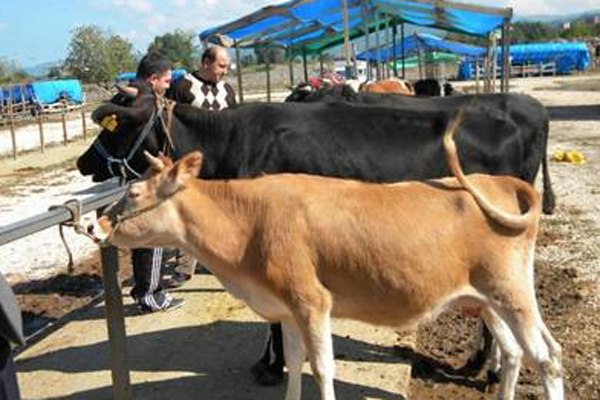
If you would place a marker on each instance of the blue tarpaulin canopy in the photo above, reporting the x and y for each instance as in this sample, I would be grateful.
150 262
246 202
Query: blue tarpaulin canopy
566 56
424 43
319 24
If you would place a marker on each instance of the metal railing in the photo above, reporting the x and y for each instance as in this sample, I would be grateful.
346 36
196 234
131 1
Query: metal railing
115 319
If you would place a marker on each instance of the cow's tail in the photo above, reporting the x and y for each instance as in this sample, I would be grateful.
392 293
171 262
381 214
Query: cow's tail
548 202
511 221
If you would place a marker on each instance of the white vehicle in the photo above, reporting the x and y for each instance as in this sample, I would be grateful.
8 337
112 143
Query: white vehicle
361 69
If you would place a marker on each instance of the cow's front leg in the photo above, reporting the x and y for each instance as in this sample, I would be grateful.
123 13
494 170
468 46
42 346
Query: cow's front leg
295 353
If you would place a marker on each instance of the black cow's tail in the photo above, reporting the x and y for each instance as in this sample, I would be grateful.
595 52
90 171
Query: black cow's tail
548 202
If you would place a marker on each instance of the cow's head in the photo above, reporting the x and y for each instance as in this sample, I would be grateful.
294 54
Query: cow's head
127 132
146 216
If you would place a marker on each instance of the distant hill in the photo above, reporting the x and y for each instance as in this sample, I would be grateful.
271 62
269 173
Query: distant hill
41 69
556 19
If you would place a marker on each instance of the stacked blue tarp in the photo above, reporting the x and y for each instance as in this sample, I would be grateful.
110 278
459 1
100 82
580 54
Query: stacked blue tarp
566 56
421 42
20 94
48 92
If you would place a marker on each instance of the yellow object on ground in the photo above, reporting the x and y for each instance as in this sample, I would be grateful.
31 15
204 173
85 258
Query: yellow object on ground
570 156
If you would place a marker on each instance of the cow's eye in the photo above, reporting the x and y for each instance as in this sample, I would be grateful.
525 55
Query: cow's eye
133 194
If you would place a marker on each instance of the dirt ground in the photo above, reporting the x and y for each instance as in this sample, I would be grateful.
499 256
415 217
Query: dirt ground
567 266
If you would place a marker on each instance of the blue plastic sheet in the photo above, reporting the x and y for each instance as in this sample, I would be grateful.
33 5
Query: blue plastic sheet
422 42
52 91
130 76
567 56
300 22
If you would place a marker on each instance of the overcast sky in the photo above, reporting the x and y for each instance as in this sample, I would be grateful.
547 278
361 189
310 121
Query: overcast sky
36 31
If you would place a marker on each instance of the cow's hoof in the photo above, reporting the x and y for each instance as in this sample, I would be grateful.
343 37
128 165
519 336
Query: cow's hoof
267 375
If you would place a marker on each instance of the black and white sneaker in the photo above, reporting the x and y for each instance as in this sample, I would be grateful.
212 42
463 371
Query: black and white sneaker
173 305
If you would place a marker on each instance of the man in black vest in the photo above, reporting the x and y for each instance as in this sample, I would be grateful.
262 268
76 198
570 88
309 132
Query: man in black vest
203 88
153 76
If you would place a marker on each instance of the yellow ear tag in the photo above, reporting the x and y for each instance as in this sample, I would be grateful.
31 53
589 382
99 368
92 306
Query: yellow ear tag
109 122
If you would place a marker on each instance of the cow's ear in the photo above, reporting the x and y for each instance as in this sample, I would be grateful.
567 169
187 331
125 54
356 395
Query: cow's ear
110 116
187 168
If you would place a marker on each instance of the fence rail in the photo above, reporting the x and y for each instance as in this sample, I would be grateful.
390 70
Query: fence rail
115 318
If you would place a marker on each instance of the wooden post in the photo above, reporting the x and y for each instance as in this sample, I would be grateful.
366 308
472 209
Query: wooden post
395 53
305 64
268 71
477 89
388 44
238 68
11 117
403 37
41 125
377 44
368 44
291 66
64 122
321 69
346 38
83 121
121 383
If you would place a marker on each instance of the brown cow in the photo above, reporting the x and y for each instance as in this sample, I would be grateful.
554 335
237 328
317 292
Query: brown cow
390 86
302 249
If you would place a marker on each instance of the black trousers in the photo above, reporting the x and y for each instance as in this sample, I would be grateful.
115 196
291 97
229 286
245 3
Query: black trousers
9 387
147 274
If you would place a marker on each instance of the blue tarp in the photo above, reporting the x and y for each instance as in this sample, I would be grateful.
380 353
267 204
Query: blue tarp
20 94
44 92
130 76
52 91
568 57
424 43
302 22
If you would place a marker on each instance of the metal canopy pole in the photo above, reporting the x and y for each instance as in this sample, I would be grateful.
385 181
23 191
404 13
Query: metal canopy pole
367 44
387 46
346 38
268 71
506 54
304 62
403 50
377 44
238 65
291 66
395 53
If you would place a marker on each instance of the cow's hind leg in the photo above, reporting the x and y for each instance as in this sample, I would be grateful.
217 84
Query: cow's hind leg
268 371
539 345
511 353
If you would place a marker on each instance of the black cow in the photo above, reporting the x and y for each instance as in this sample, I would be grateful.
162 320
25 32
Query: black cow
361 141
428 87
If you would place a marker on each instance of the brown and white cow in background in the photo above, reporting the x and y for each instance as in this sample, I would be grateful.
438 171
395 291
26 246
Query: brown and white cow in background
302 249
389 86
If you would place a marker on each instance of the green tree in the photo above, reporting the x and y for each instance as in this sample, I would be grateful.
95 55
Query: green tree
178 46
55 72
275 54
88 58
121 55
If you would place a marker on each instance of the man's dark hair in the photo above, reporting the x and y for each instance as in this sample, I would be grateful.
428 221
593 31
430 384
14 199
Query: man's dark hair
210 54
153 63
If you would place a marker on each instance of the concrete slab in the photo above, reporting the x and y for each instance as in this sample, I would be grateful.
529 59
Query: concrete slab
201 351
